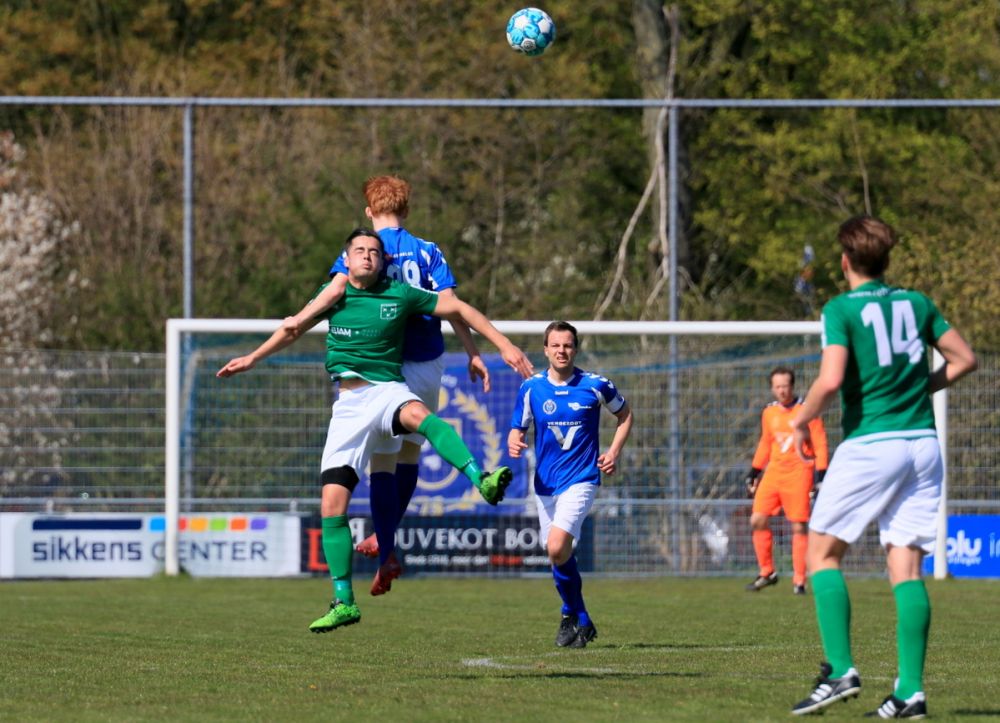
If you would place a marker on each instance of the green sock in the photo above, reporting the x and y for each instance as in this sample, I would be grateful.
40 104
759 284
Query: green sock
339 552
833 614
450 446
913 620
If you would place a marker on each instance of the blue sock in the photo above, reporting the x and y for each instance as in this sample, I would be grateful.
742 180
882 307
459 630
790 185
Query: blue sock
570 587
406 485
383 504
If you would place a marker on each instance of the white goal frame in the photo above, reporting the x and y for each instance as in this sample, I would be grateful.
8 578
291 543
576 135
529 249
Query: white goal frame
176 328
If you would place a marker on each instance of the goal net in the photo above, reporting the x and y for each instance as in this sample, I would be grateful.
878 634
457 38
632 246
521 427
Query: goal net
253 442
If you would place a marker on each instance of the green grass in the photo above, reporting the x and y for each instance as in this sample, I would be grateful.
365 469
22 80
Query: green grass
464 649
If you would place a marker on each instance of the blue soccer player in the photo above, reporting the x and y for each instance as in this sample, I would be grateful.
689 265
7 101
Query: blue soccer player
419 263
565 404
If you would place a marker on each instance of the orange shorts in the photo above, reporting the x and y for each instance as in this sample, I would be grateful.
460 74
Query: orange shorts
792 496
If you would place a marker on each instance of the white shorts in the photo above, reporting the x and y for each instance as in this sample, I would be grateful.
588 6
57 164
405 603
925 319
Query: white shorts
566 510
895 481
361 425
424 380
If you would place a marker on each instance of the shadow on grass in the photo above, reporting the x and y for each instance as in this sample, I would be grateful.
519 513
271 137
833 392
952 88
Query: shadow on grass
519 673
990 712
679 646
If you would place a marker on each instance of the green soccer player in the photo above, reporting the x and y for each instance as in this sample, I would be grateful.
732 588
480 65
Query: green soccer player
889 466
375 407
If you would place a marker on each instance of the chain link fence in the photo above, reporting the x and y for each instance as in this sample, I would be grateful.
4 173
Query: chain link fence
84 431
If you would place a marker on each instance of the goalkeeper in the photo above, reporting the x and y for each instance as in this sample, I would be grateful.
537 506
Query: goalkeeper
786 483
375 407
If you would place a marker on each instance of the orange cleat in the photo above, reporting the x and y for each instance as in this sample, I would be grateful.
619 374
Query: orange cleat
389 571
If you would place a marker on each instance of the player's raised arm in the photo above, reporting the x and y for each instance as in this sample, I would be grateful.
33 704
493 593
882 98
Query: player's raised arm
477 368
450 306
330 295
281 338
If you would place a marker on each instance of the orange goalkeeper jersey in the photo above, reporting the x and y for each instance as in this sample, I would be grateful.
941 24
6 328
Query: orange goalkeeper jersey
776 449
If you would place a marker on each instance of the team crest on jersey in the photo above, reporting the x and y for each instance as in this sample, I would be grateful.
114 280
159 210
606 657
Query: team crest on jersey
388 312
549 407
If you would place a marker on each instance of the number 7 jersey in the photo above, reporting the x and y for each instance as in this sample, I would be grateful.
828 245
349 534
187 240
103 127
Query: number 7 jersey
886 331
567 426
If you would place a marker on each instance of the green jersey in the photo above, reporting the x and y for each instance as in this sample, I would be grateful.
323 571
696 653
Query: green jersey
886 331
366 329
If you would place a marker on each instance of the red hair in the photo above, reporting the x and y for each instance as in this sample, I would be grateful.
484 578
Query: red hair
387 195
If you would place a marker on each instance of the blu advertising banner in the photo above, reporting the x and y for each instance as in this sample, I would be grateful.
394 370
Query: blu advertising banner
973 546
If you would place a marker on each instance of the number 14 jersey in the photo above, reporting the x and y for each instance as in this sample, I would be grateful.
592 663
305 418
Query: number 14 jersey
886 331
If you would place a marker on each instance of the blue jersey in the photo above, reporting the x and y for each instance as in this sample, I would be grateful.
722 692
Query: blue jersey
411 260
567 427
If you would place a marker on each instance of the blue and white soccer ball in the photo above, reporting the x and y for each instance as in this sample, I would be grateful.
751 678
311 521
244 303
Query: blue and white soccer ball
530 31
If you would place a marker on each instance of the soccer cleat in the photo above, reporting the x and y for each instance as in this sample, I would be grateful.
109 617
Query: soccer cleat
798 590
387 572
829 690
892 707
761 582
339 615
584 634
567 631
368 546
492 486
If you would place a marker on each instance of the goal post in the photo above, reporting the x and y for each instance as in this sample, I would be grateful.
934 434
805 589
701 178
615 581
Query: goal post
178 351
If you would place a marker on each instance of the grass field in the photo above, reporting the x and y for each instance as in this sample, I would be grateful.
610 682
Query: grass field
464 649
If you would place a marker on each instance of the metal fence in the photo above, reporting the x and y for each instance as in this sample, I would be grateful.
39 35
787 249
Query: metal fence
84 431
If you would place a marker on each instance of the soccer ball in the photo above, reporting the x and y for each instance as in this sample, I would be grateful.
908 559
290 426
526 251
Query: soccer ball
530 31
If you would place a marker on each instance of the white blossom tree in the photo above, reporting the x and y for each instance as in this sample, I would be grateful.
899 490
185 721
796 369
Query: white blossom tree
31 235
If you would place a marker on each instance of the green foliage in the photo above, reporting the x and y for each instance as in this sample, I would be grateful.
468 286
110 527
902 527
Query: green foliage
528 205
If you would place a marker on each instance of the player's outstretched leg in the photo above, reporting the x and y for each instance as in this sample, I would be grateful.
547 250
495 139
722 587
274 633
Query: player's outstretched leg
386 573
494 485
406 485
453 450
892 707
339 615
829 690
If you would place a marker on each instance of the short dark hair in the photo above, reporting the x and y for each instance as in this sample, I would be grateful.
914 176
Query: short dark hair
362 231
560 326
867 241
782 370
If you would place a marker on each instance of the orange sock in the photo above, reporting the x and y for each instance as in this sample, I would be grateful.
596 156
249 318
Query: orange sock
799 544
762 544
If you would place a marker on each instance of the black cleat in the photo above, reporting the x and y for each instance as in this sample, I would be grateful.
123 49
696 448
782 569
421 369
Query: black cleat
829 690
761 582
892 707
799 590
584 634
567 631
